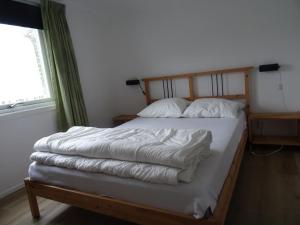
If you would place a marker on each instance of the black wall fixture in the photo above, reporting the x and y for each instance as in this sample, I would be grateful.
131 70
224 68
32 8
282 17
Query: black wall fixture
269 67
133 82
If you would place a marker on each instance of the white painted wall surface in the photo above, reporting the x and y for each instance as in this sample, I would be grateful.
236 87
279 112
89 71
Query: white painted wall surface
136 38
173 36
89 28
18 133
116 40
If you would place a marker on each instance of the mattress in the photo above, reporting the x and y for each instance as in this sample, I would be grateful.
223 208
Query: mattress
194 198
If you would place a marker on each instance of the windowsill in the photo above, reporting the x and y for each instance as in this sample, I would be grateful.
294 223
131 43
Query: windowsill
22 111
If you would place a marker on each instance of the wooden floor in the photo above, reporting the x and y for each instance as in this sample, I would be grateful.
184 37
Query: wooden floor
268 190
267 193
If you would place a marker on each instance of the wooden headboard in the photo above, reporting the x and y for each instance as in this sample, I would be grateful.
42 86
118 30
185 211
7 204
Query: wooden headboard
217 85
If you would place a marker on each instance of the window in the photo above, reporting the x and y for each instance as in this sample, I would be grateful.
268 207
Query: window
23 74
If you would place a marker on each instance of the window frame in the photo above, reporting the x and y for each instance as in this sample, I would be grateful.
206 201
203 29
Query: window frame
19 106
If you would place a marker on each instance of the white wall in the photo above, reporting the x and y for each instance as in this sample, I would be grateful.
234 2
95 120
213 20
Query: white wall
18 133
145 38
89 29
116 40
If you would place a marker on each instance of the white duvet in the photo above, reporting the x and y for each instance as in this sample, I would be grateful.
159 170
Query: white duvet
154 155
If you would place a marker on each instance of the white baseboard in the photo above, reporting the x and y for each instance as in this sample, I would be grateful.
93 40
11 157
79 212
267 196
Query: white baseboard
11 190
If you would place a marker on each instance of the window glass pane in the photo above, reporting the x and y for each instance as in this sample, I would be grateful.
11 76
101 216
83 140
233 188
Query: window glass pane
22 70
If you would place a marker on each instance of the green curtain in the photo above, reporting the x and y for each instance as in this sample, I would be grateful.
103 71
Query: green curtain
63 68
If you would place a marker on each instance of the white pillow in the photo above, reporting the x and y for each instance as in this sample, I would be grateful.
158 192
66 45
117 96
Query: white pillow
214 107
169 107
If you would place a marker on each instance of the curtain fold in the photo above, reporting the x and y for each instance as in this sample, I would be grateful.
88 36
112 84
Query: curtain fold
63 68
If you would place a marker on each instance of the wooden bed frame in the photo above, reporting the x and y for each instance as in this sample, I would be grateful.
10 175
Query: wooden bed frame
143 214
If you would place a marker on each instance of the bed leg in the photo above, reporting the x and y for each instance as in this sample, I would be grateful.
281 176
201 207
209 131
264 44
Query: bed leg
35 212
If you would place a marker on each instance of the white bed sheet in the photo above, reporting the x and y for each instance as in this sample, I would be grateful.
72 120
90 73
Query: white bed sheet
192 199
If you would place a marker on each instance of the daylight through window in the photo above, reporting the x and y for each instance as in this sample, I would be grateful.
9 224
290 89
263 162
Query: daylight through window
22 69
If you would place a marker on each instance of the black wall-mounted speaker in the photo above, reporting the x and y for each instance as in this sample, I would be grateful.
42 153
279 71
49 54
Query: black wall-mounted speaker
269 67
133 82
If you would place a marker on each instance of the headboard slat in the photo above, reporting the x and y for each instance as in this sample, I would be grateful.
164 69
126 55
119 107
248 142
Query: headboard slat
191 88
214 74
202 73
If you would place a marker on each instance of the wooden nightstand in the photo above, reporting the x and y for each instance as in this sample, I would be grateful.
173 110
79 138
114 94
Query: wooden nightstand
118 120
274 140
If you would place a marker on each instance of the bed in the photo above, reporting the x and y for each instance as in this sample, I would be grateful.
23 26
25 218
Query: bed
203 201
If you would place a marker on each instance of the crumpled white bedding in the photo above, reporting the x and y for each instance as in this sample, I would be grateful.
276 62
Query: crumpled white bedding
154 155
